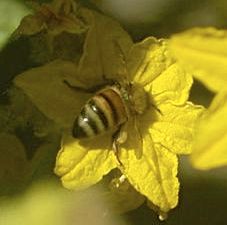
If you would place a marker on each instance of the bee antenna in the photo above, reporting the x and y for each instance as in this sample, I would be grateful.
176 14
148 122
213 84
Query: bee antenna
123 58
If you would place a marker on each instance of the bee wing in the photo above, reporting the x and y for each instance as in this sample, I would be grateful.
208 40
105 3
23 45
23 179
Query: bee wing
139 137
123 72
134 136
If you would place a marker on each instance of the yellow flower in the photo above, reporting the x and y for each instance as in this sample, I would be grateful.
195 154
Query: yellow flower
149 157
165 133
202 51
210 144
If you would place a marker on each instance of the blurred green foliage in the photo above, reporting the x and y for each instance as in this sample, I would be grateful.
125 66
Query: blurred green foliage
11 12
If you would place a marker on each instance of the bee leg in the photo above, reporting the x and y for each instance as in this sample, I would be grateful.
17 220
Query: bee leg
90 89
119 137
82 89
116 151
152 104
157 109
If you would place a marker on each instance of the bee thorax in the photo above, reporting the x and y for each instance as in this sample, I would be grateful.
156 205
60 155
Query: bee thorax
139 99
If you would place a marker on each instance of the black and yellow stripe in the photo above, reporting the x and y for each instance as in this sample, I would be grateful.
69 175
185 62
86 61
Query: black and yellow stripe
103 111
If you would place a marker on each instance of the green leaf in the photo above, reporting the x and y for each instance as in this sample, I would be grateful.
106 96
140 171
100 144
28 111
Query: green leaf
11 12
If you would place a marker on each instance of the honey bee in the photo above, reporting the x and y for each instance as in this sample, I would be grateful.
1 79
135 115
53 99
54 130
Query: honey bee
110 108
104 111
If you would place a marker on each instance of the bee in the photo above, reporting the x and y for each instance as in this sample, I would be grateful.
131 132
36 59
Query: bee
105 110
110 108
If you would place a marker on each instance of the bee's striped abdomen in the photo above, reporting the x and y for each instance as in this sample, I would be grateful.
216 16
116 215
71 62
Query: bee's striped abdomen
103 111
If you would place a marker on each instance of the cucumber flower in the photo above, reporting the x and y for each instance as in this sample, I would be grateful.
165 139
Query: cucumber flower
148 156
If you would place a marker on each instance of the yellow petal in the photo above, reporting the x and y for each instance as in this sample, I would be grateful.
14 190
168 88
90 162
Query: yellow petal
44 85
104 44
148 59
154 173
81 164
202 51
172 85
175 127
210 149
